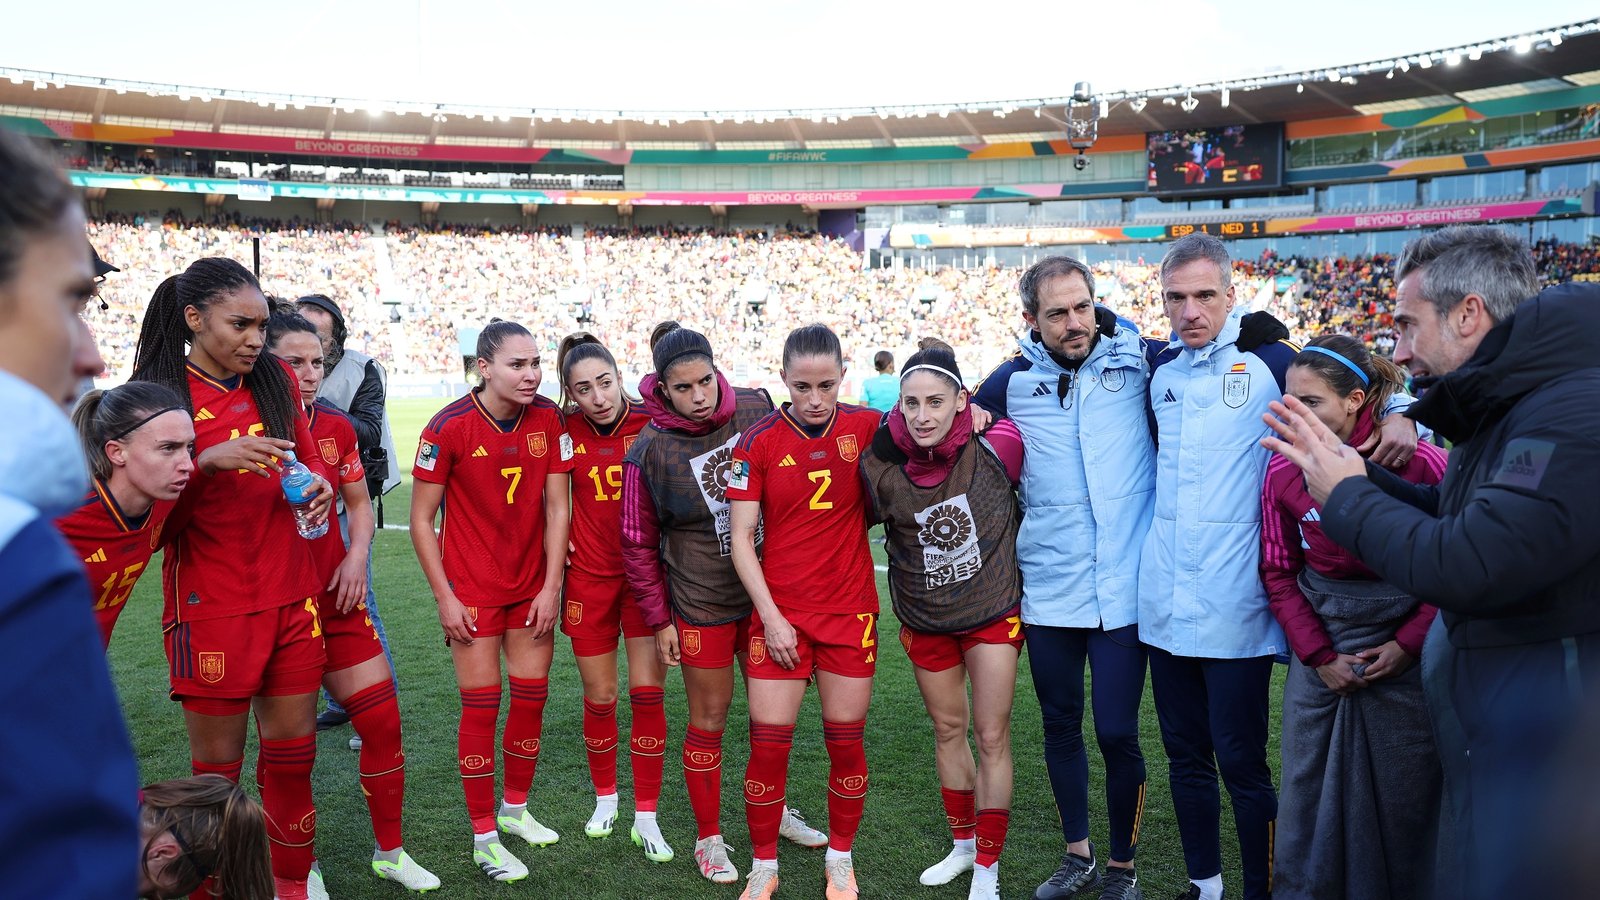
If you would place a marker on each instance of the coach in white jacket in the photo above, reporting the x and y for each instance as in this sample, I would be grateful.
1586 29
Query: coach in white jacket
1202 608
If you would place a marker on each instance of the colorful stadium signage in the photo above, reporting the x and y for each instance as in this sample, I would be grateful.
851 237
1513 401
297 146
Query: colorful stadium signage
939 236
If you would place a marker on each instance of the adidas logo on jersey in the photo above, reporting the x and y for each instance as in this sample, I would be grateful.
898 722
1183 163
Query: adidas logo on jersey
480 451
1312 515
204 414
787 461
1168 398
580 449
98 556
1043 390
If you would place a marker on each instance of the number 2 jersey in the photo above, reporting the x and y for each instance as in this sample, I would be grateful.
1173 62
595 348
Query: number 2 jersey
493 473
813 508
233 547
115 548
597 454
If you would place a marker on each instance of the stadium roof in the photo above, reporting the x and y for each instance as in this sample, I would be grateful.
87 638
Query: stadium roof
1519 64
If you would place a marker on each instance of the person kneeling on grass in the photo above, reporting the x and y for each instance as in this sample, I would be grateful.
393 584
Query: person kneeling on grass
947 501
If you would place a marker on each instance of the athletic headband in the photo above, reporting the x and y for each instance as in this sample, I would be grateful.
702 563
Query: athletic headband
1341 358
689 351
146 420
931 368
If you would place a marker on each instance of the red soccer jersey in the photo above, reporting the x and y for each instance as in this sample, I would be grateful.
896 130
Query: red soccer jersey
235 549
815 557
115 548
340 459
597 489
493 475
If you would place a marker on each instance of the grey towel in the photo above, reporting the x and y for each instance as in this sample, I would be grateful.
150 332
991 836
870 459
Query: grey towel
1359 805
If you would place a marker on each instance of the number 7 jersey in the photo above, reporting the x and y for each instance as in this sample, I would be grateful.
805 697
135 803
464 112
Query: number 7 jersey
493 473
813 508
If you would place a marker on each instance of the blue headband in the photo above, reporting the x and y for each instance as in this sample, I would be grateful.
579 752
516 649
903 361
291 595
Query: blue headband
1341 358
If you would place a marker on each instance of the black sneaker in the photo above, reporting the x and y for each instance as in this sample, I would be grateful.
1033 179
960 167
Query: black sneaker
1121 884
1076 875
331 718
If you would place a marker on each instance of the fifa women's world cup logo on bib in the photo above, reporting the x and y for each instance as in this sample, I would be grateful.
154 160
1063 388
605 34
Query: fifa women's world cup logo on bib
713 471
949 539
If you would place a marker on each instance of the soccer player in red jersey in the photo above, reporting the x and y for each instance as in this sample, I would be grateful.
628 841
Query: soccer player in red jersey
500 461
598 605
241 626
358 674
947 500
676 545
136 438
798 474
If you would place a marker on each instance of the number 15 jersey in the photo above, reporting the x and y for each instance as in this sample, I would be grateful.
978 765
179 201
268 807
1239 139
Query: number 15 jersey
813 509
493 473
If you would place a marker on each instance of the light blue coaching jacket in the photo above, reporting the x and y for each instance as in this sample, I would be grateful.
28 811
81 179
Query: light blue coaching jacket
1088 476
1200 591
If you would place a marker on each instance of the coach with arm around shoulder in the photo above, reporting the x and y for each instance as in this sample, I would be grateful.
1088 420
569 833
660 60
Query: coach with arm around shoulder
1076 392
1203 612
1507 546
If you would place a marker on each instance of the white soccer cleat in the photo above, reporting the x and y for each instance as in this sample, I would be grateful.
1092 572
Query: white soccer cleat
497 862
792 827
985 883
315 889
525 826
648 836
405 872
602 821
711 854
945 870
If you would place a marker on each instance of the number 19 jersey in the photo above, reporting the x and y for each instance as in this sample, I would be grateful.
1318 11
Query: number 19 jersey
597 454
813 509
493 474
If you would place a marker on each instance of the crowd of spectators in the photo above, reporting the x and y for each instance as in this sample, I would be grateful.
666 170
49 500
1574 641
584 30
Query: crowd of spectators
412 294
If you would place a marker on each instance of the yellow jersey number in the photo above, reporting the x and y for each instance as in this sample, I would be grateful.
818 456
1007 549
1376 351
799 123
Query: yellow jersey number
115 589
514 473
823 479
612 479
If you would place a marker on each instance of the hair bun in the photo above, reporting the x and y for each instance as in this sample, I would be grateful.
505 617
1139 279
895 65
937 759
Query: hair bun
933 343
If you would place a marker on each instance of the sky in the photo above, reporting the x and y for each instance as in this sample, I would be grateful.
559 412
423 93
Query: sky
725 54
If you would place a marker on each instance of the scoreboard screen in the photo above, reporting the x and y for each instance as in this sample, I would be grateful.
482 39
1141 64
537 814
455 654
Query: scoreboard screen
1243 228
1210 160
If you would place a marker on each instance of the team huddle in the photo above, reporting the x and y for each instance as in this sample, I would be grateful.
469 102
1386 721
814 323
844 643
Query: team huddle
1101 497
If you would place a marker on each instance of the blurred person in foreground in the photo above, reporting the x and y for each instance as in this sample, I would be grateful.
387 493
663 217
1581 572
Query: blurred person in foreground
1507 546
67 772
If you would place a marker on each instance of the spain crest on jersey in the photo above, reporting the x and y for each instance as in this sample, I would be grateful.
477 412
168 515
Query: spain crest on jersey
211 667
329 448
758 650
1235 389
537 445
574 612
691 641
848 449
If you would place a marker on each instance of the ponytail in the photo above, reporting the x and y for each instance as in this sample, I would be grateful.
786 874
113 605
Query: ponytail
1346 365
103 416
576 348
815 339
222 832
164 339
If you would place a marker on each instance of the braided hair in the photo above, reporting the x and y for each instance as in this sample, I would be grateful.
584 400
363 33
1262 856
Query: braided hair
165 338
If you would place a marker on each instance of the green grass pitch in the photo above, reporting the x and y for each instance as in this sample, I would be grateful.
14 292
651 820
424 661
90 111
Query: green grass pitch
903 830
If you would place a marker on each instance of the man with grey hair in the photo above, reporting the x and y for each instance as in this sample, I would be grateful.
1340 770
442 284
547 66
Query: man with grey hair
1076 391
1507 546
1203 611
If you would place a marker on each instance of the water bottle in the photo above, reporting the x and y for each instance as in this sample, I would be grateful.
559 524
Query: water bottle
298 486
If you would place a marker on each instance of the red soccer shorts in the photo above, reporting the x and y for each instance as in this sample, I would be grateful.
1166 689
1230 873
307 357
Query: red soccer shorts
350 637
934 651
711 646
595 610
493 621
271 653
841 643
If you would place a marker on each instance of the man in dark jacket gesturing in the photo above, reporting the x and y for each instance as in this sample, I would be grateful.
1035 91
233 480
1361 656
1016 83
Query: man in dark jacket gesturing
1508 546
